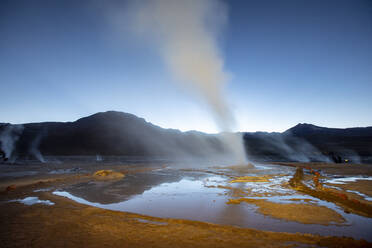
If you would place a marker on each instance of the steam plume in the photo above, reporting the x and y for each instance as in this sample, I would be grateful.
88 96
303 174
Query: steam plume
9 137
34 147
185 32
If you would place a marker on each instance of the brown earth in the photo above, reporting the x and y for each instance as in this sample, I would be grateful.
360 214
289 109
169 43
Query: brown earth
362 186
334 169
340 198
302 213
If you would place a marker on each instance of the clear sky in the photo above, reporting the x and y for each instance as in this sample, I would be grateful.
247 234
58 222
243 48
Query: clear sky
291 61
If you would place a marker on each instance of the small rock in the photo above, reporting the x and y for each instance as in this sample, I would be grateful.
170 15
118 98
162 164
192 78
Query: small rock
11 187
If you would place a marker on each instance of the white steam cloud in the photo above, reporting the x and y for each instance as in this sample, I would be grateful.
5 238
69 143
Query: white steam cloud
9 136
185 33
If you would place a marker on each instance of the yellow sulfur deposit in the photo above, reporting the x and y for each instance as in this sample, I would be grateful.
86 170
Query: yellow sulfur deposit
107 175
246 179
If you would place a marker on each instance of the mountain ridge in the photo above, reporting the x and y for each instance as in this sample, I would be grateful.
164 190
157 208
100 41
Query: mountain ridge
112 113
119 133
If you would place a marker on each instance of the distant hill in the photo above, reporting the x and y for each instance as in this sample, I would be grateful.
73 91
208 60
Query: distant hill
304 130
309 142
346 141
118 133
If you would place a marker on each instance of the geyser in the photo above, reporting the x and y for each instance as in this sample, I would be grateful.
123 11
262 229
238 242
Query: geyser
185 33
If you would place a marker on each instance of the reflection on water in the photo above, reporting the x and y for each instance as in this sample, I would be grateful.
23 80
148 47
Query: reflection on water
196 196
33 200
366 197
343 180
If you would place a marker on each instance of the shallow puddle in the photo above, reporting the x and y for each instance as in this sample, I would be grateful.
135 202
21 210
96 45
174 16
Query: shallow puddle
202 196
343 180
33 200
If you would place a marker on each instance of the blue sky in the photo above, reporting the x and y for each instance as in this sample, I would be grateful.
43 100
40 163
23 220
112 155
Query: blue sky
291 61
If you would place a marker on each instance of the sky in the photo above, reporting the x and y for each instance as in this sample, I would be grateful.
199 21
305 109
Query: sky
289 61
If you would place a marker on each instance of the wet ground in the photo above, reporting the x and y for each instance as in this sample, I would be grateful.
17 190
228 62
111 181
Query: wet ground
260 197
203 196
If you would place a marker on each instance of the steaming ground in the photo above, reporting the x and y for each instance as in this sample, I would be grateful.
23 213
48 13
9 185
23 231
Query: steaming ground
167 200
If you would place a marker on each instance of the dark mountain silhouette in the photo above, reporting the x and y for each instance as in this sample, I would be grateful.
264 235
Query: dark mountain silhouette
117 133
304 129
312 142
111 133
347 141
